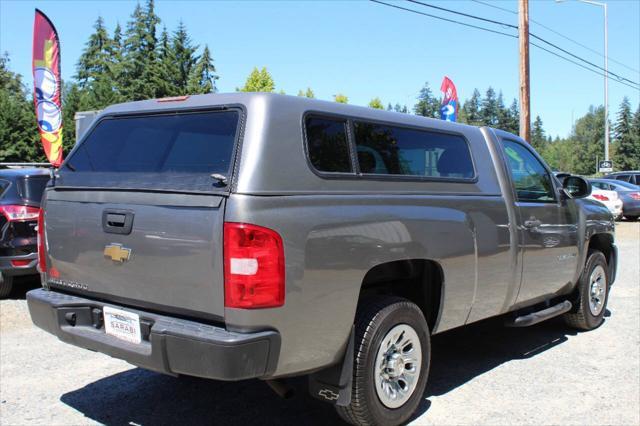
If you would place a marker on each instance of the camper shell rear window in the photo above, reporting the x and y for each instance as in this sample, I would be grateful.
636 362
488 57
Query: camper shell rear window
161 151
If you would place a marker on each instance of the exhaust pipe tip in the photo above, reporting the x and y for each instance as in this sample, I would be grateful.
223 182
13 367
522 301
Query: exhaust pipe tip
281 388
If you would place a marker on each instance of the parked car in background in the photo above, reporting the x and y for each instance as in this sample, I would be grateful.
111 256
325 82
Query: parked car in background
627 192
631 176
20 195
610 199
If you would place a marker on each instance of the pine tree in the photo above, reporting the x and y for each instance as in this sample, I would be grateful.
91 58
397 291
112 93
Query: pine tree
376 103
183 55
538 140
140 67
307 94
427 105
587 139
502 121
258 81
19 140
203 77
489 112
472 109
96 56
117 58
513 123
627 153
341 99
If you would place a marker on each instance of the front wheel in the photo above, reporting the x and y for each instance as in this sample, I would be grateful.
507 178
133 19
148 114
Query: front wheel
593 293
391 365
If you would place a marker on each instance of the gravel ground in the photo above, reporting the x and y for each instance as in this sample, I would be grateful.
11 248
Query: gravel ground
480 374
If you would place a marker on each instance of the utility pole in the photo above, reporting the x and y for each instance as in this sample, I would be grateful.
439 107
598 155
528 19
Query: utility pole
525 87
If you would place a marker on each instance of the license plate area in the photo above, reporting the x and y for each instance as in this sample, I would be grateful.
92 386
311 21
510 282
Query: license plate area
121 324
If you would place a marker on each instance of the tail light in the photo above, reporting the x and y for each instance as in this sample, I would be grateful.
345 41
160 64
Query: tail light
600 197
253 267
15 213
635 195
20 262
42 253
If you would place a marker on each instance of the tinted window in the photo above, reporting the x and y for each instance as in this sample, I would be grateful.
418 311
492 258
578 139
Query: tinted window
32 188
3 186
181 143
531 179
624 178
327 143
393 150
601 185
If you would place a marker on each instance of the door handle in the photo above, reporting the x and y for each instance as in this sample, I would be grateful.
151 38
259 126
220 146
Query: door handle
532 223
116 221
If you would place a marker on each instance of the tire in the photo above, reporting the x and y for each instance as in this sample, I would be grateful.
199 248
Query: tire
6 284
589 307
378 320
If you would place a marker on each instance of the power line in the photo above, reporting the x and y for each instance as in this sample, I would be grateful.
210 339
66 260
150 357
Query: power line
503 34
530 33
559 34
443 19
579 64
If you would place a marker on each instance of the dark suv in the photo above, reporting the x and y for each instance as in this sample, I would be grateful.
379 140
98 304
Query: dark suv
20 195
631 176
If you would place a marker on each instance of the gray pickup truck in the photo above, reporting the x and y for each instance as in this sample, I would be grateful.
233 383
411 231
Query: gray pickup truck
239 236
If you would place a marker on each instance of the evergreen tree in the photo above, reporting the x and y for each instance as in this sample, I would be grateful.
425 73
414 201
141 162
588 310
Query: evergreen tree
538 140
258 81
117 58
203 77
96 57
140 67
587 141
376 103
71 103
489 112
183 55
513 118
307 94
472 109
401 108
503 119
19 139
427 105
341 99
627 143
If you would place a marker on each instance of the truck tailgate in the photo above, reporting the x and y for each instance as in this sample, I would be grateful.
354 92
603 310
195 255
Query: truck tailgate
171 259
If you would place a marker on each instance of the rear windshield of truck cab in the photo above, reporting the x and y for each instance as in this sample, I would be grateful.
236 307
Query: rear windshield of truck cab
164 151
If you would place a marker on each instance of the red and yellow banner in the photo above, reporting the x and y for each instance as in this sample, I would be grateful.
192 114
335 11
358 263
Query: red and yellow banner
47 86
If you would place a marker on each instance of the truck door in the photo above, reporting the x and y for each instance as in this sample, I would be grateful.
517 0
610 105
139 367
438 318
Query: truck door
547 225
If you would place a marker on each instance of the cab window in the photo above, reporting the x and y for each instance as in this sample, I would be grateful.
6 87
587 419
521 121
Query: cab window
530 177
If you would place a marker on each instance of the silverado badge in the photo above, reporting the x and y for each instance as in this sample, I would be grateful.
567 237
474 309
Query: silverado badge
117 253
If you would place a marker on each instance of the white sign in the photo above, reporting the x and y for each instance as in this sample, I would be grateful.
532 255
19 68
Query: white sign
122 324
605 166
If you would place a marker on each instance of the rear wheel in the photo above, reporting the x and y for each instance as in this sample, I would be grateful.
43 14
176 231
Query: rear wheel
6 284
391 365
593 293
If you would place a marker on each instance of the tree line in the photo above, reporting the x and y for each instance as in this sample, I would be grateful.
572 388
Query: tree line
146 61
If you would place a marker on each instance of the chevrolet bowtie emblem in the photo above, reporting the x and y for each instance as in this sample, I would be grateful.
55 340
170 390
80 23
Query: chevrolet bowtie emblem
117 253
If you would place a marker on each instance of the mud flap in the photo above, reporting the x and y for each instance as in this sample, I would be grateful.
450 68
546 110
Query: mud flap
333 384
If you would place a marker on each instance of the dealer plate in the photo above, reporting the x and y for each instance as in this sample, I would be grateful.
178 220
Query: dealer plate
122 324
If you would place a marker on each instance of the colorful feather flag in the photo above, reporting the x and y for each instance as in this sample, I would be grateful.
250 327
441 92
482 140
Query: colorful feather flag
47 86
449 108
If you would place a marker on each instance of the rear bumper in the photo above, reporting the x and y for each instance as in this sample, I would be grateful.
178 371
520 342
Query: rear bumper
169 345
7 268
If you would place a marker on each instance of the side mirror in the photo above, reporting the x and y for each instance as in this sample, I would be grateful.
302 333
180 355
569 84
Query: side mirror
576 187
